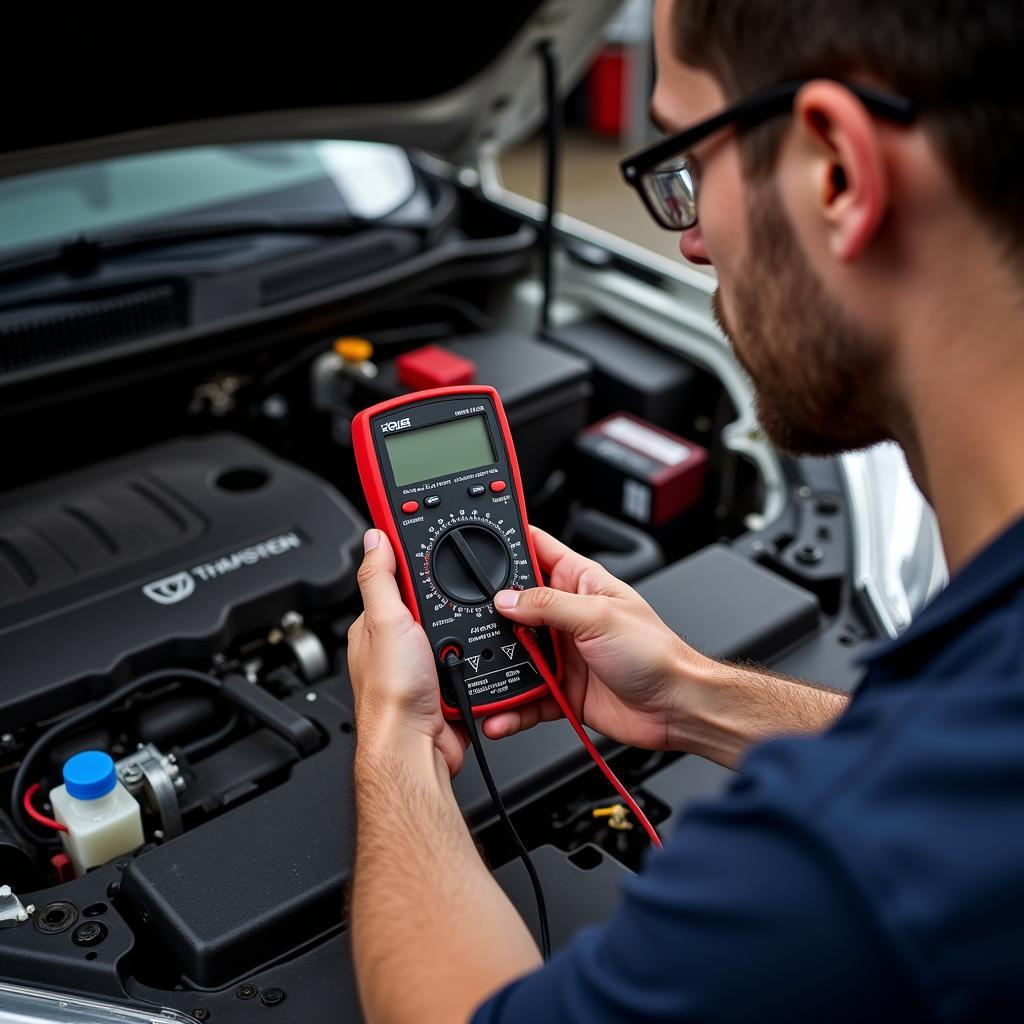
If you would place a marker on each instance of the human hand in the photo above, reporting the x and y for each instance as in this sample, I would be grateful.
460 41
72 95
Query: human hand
627 675
394 678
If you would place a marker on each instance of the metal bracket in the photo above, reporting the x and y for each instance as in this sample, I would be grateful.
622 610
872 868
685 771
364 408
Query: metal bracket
12 910
156 778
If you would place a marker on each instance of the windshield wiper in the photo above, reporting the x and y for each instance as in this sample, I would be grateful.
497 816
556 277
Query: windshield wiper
83 253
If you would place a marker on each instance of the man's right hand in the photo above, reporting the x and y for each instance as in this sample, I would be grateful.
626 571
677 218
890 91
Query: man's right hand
628 676
625 670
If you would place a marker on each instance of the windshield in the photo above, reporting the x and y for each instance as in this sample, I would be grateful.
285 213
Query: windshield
366 179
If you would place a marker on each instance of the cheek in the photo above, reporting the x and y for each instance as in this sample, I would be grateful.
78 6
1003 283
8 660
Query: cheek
723 216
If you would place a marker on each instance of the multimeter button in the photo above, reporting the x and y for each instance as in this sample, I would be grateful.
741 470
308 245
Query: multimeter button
476 490
498 486
409 507
433 501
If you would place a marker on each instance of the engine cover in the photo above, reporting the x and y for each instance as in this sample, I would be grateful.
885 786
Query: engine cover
156 559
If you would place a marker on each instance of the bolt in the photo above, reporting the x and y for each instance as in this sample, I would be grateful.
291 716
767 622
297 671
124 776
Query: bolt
275 407
272 996
310 696
89 933
131 775
291 622
246 991
201 1013
809 554
805 492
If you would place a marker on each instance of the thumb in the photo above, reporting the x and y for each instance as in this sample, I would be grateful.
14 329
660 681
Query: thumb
376 576
580 615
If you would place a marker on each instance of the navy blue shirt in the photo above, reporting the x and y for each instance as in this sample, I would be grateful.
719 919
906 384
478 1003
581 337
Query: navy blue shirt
873 873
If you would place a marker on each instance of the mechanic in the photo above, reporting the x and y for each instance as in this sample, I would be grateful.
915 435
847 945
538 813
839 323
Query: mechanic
868 863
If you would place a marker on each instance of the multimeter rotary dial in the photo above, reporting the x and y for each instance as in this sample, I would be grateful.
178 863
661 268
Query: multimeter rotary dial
469 557
471 564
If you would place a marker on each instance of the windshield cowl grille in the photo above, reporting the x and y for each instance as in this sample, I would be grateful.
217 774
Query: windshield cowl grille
43 334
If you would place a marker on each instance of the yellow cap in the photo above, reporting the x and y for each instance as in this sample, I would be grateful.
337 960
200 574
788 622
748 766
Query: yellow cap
353 350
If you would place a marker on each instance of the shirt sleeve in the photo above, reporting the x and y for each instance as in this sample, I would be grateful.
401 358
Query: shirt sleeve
746 915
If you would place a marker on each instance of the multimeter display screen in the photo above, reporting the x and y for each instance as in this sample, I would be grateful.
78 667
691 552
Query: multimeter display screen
438 450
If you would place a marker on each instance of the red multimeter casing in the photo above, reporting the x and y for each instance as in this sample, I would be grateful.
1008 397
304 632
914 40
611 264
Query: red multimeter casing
441 480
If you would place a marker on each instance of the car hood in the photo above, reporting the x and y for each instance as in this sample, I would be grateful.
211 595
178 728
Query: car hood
454 77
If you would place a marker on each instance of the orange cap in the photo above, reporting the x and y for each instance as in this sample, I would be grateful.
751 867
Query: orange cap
353 350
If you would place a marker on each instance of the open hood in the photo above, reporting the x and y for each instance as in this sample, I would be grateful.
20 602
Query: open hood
91 81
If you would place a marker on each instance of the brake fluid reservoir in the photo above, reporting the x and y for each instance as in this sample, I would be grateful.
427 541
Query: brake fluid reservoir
103 819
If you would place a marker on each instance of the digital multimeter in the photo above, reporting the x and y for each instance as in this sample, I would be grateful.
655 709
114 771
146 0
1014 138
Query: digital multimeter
441 480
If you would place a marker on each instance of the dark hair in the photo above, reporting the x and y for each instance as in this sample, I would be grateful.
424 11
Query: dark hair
961 61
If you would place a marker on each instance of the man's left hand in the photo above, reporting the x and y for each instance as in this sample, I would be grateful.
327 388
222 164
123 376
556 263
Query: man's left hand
394 678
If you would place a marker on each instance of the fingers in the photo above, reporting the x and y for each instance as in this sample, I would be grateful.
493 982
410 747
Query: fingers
581 615
508 723
381 598
569 570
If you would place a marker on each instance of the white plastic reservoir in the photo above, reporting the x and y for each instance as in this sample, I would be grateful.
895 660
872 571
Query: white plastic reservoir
102 817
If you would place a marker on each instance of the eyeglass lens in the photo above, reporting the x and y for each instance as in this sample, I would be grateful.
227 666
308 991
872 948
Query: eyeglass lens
671 190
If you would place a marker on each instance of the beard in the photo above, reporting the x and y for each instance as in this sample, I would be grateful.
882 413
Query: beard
816 374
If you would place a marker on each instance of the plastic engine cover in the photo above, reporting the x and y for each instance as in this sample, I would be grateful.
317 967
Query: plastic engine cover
159 558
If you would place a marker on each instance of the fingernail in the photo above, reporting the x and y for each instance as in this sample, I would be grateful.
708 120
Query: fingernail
506 599
371 539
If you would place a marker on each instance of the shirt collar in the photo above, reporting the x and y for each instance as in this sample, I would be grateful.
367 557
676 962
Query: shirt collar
994 570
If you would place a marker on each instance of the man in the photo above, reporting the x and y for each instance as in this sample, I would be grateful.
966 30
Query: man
868 234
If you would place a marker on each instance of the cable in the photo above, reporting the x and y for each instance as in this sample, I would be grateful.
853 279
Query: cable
197 748
552 152
73 721
529 641
457 676
38 815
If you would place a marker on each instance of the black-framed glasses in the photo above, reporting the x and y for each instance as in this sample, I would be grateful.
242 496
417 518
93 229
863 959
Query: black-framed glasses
665 174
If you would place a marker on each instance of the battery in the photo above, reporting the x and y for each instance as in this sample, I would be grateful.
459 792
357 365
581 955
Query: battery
633 469
633 375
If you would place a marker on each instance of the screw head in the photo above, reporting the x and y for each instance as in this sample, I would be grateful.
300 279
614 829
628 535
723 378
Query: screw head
201 1013
246 991
809 554
272 996
291 622
89 933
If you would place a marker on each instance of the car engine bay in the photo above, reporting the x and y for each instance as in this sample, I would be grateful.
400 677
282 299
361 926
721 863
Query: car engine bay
181 505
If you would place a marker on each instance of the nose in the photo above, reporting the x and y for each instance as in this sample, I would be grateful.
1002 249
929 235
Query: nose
691 245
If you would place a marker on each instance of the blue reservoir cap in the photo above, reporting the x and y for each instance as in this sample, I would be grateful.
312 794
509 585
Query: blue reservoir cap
89 775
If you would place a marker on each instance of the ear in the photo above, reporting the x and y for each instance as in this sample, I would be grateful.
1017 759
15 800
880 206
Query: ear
848 175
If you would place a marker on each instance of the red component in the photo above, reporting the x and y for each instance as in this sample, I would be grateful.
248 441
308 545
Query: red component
664 482
35 815
408 507
380 513
498 486
449 649
433 367
604 89
63 869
